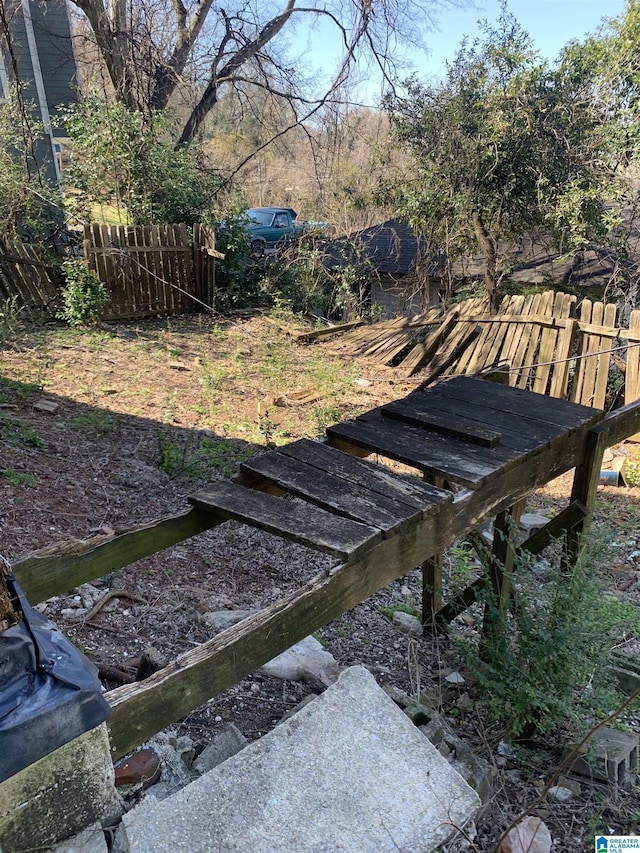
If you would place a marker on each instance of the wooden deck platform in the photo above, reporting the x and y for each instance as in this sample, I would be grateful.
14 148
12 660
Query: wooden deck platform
491 445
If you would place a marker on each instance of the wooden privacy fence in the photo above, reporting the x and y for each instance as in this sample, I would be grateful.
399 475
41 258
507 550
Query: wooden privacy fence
547 348
28 275
151 270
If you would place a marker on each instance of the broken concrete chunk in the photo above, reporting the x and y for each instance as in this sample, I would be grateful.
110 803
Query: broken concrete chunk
226 743
220 620
48 406
349 771
408 624
308 660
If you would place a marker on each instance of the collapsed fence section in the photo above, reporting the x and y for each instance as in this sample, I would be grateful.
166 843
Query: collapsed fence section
30 277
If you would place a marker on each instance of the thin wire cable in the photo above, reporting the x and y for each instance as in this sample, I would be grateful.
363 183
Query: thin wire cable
537 364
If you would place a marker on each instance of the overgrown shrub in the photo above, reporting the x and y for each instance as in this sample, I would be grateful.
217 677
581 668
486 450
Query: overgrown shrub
130 159
549 667
84 296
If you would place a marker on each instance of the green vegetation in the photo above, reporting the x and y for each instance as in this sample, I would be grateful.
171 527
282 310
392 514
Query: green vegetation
197 457
17 432
134 163
549 667
84 296
507 145
16 478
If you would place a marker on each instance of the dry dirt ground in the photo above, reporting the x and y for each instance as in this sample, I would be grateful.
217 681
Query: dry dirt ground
148 413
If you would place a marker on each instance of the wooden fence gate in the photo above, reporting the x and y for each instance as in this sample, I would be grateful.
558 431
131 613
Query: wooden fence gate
151 270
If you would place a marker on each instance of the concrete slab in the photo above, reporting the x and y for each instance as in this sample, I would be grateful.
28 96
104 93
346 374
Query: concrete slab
348 772
60 795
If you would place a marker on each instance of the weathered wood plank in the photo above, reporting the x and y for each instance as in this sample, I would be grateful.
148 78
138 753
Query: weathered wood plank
423 351
517 431
328 330
560 379
334 494
300 522
55 570
446 424
431 453
518 401
400 488
632 373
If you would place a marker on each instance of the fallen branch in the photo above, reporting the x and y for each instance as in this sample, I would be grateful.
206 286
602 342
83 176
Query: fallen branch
97 607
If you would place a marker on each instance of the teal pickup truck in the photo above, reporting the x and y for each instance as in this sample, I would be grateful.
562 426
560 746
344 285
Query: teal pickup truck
269 227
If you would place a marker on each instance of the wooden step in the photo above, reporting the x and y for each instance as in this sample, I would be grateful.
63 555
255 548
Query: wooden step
301 522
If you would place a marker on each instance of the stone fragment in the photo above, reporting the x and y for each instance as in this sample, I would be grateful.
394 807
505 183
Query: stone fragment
531 522
45 405
529 836
226 743
151 660
220 620
90 840
559 794
406 623
308 660
143 767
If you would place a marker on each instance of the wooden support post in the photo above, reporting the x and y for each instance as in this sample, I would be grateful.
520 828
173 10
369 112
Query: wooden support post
500 571
432 578
585 485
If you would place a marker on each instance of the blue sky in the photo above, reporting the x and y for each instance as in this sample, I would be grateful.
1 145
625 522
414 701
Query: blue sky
550 23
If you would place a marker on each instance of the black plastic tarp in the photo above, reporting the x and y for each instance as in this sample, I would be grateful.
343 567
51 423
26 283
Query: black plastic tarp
49 691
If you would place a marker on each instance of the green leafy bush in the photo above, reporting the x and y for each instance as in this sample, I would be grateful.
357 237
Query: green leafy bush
549 666
84 296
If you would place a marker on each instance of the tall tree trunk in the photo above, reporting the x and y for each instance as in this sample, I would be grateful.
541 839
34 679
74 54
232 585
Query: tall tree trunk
488 246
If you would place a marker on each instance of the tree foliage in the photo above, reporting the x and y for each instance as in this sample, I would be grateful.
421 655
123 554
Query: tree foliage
121 155
505 146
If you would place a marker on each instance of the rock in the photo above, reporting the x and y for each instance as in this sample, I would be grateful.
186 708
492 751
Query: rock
143 767
529 836
90 840
48 406
465 703
306 661
226 743
531 522
223 619
572 784
90 595
505 749
559 794
151 660
73 612
401 698
407 624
